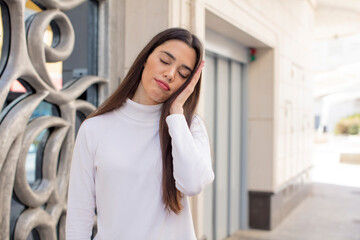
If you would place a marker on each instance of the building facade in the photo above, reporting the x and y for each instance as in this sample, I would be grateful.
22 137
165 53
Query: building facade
256 102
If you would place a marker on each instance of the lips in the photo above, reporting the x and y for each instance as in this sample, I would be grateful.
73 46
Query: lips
163 85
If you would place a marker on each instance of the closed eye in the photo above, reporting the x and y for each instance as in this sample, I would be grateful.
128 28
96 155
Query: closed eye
164 62
182 75
168 63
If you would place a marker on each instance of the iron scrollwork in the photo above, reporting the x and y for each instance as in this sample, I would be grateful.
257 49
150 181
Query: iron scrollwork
45 204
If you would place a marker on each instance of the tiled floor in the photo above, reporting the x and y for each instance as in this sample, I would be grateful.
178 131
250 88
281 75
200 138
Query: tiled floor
332 211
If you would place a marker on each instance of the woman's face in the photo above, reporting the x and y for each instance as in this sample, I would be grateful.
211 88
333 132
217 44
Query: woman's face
165 71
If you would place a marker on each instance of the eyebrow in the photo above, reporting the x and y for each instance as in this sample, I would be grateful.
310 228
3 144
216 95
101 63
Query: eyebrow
172 56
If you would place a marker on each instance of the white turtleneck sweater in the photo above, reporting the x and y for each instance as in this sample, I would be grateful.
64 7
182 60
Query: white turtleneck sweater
117 169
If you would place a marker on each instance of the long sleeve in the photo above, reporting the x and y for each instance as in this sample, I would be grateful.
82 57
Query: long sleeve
81 195
191 154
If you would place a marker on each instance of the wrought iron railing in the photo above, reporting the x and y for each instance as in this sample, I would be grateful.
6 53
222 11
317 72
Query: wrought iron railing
37 209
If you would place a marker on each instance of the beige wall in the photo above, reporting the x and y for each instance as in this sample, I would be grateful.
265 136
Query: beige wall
143 19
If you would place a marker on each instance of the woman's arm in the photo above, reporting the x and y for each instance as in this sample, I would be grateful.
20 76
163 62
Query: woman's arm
191 154
81 195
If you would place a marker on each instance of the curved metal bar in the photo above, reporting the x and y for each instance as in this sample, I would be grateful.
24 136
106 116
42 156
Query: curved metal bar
75 90
35 219
37 197
61 225
19 63
17 48
57 201
39 52
63 5
27 59
7 174
84 107
11 132
15 122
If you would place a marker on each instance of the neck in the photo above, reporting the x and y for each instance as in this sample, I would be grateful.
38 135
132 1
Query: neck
141 112
142 97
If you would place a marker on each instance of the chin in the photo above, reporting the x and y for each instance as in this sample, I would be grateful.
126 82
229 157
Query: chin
159 99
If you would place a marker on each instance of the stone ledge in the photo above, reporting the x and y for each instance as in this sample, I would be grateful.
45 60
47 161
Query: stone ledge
351 158
268 209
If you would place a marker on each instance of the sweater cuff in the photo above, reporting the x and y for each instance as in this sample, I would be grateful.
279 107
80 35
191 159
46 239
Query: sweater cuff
176 120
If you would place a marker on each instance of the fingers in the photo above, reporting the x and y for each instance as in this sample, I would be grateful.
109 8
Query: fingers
202 64
197 74
191 86
183 96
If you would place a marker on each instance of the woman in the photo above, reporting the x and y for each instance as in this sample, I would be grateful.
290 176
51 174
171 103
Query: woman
139 156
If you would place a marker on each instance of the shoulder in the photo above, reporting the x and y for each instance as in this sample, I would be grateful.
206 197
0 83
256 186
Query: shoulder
98 122
87 127
92 130
90 123
94 127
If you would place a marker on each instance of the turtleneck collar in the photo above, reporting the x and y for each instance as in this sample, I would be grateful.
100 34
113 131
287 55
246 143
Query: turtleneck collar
141 112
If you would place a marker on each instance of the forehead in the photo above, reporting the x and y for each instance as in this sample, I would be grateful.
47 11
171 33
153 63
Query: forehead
183 53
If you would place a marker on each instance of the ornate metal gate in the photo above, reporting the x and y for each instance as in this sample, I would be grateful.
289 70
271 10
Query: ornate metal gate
36 209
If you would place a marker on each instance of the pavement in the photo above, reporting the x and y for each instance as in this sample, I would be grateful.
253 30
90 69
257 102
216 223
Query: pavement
332 211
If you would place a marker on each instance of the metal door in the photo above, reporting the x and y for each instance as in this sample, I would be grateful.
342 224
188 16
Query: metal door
224 79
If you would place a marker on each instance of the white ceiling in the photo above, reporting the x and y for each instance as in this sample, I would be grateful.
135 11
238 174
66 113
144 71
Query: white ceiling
336 18
337 45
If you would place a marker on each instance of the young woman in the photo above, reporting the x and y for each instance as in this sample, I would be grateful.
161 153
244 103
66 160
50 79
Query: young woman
139 156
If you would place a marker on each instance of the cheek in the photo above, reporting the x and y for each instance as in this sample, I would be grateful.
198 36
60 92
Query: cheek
146 76
178 85
151 65
149 72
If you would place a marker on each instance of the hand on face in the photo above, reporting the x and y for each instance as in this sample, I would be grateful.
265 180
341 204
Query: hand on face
166 69
177 105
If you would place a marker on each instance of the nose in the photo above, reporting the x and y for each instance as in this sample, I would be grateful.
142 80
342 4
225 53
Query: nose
169 73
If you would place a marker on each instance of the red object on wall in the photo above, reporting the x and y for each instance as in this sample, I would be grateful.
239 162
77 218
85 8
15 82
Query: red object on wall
252 54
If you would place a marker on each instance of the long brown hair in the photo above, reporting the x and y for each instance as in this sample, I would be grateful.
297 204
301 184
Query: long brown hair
171 196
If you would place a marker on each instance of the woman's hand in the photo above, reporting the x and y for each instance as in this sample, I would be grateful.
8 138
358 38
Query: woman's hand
177 105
